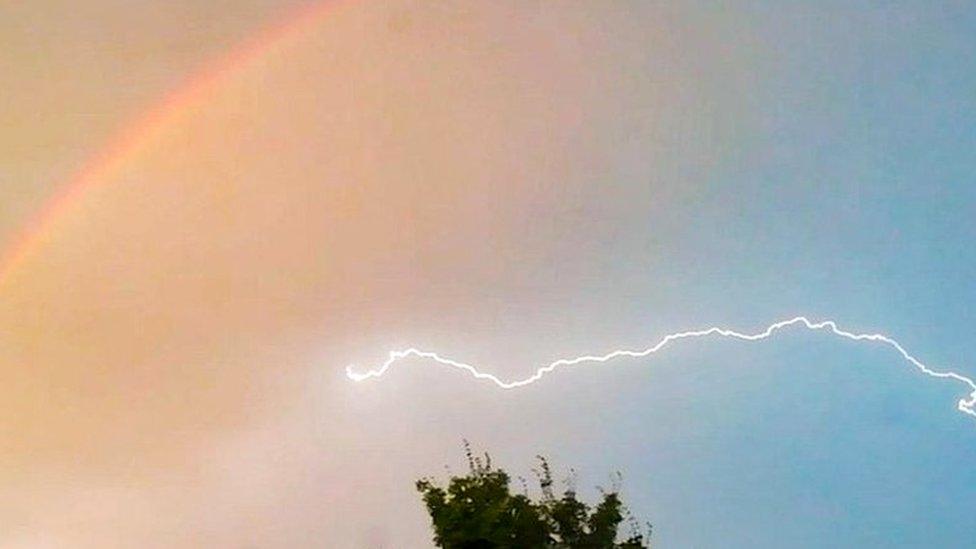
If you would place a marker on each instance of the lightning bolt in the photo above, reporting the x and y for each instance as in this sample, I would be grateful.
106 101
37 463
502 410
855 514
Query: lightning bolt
966 405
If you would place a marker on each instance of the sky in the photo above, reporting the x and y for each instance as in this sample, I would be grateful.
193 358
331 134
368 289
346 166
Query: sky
506 183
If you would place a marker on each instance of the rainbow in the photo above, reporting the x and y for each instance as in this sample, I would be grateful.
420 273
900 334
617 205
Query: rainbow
138 134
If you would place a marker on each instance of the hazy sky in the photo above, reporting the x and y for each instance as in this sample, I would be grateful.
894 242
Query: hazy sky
506 183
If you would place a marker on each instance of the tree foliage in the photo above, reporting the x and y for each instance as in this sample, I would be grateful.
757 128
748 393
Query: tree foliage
478 511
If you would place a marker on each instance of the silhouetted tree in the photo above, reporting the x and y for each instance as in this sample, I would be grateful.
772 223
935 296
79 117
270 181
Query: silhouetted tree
478 511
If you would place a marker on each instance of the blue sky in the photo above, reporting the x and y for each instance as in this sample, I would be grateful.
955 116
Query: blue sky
856 202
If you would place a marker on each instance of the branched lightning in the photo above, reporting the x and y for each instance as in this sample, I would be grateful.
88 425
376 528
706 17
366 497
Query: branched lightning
966 405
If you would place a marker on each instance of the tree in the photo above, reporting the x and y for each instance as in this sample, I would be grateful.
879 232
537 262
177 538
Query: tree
478 511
